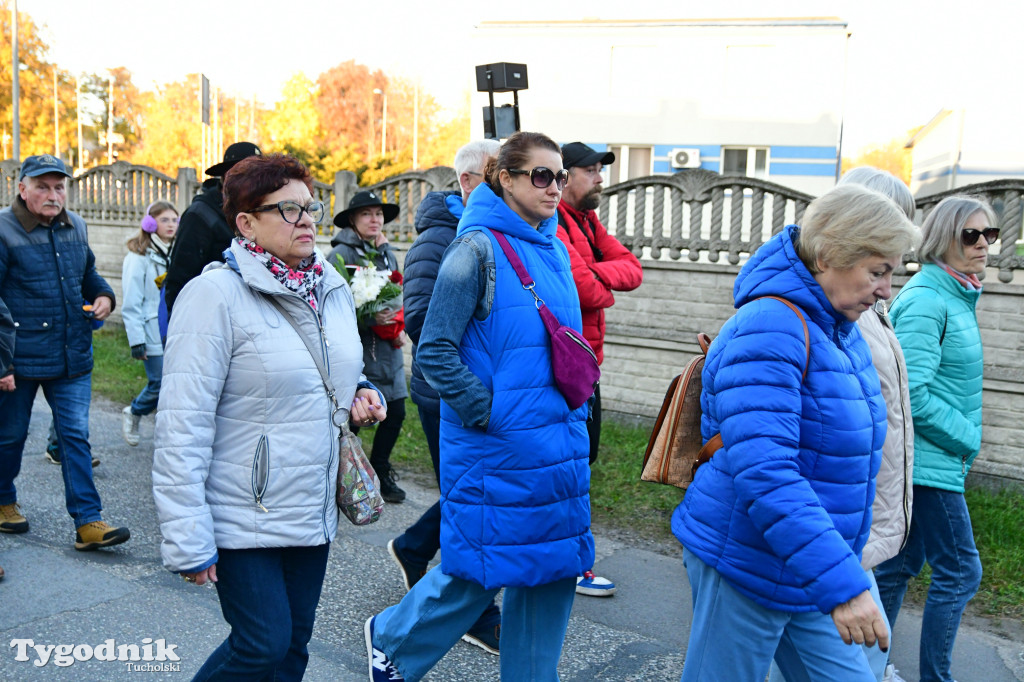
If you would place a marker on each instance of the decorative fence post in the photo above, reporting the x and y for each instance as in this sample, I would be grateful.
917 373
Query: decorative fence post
345 186
187 183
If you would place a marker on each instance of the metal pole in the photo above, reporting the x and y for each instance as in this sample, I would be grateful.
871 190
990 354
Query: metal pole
252 117
384 128
78 115
236 118
16 127
110 122
56 121
416 126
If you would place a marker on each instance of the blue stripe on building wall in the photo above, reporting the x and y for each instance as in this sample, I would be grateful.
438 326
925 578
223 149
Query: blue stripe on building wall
663 166
807 169
803 153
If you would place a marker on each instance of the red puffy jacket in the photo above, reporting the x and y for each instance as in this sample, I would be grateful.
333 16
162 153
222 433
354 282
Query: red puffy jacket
600 265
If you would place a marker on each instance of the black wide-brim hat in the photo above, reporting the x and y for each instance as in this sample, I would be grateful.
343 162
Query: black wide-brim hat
365 199
232 155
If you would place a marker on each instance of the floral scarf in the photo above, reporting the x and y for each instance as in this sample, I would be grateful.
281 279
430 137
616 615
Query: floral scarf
302 281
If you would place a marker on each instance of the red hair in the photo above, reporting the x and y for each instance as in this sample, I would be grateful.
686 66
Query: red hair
253 178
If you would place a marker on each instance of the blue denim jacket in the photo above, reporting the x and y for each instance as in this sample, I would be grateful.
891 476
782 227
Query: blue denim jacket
458 297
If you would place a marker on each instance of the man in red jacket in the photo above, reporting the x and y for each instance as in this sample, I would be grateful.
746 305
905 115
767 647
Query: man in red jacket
600 265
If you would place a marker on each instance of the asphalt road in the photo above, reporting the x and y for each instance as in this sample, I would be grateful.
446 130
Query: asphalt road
54 595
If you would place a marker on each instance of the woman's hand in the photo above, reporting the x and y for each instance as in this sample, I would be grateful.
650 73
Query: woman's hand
366 408
385 317
380 239
859 622
203 576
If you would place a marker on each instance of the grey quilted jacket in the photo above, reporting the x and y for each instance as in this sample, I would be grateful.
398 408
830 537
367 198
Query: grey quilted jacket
894 489
246 452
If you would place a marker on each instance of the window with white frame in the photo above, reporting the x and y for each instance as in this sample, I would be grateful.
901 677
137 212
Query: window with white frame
630 162
750 162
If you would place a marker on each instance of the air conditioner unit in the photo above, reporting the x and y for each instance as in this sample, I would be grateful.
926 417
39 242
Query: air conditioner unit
684 158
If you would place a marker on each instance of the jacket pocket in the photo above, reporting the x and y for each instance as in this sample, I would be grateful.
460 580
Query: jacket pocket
261 471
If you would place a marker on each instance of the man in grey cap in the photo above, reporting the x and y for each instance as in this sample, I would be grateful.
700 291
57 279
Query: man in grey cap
203 232
48 280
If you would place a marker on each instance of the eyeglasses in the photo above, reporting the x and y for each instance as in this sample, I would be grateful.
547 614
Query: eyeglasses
291 212
542 177
970 237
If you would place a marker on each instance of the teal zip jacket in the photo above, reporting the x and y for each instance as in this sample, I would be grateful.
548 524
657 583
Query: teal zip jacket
934 318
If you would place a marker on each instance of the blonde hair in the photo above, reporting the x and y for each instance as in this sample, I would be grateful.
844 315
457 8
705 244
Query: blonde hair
851 222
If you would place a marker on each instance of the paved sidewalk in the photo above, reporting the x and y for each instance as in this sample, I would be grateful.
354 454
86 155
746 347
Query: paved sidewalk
55 595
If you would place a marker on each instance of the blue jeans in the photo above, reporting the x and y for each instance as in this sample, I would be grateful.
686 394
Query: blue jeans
269 633
422 540
430 619
941 534
877 659
734 638
69 402
145 402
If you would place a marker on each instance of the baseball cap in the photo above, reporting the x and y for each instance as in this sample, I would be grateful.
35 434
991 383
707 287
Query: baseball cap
579 154
34 166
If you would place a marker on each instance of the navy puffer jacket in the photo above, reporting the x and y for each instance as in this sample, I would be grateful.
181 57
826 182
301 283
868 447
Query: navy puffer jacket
783 510
436 224
45 275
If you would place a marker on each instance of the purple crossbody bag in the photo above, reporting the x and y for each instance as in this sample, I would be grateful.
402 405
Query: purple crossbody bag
573 361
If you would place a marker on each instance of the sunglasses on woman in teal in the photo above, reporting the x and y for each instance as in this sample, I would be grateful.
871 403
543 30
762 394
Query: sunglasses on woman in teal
542 177
970 237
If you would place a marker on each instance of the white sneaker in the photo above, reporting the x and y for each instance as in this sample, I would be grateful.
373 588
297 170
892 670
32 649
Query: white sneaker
130 426
892 675
594 586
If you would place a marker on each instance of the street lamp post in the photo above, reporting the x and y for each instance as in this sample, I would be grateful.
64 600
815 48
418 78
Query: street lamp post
384 121
15 72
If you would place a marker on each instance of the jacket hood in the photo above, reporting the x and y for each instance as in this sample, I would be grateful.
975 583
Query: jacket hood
347 236
486 209
775 269
435 211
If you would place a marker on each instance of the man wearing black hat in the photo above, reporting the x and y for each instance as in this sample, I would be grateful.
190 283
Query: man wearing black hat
47 272
600 265
203 231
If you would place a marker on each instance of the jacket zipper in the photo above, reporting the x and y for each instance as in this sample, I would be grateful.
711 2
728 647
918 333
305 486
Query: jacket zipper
325 344
261 471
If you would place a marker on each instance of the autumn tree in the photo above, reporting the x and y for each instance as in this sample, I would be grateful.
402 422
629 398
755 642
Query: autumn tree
350 111
891 156
129 111
171 134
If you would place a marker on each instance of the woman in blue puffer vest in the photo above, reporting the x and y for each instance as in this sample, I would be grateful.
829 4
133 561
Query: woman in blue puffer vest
515 478
773 525
935 322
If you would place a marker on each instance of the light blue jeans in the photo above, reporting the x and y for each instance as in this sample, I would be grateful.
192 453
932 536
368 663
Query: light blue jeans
146 401
733 638
877 658
419 630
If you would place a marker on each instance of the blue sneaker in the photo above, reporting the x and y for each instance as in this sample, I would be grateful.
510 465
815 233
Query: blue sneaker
593 586
381 667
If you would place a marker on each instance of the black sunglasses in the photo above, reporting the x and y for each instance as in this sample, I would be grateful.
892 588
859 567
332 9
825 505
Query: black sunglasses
970 237
542 177
291 212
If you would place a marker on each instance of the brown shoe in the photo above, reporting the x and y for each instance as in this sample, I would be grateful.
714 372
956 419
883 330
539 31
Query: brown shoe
1 572
99 534
11 519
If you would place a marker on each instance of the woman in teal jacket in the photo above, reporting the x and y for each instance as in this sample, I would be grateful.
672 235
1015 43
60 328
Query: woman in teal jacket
935 322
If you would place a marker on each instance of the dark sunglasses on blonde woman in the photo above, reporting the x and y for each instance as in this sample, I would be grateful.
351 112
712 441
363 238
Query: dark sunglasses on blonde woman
970 237
542 177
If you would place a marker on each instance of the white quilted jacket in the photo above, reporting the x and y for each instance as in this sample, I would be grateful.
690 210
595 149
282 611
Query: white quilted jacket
894 489
246 452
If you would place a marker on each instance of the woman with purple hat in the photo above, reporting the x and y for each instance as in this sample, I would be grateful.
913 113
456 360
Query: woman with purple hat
361 242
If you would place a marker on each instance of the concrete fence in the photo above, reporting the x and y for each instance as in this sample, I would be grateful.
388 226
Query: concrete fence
692 232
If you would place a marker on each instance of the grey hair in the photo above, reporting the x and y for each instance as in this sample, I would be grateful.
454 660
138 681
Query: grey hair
851 222
472 156
941 229
883 182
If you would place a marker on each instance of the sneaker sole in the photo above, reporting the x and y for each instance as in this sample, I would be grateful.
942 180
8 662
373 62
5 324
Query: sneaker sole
369 646
89 546
595 591
51 460
14 528
398 562
470 639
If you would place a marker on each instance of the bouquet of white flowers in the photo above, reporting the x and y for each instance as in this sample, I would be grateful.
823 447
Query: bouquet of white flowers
375 290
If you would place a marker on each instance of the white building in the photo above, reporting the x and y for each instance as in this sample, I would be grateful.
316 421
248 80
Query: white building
965 146
755 97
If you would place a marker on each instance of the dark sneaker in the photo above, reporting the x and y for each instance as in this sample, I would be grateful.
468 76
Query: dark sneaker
389 490
53 456
411 573
11 519
594 586
99 534
1 572
381 667
486 638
